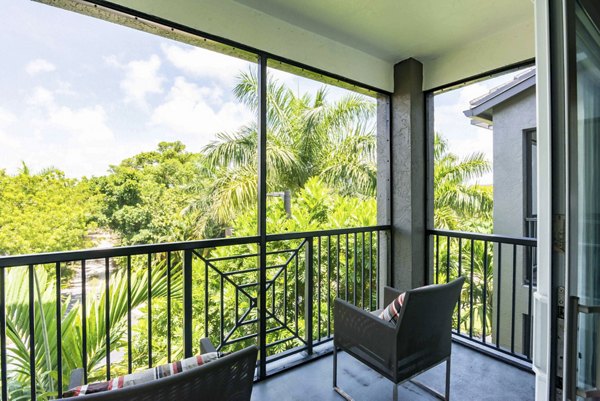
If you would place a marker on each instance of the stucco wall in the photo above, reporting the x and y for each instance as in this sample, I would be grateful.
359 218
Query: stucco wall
511 120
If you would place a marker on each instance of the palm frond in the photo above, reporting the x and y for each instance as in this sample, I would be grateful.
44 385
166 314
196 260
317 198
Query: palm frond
233 149
233 192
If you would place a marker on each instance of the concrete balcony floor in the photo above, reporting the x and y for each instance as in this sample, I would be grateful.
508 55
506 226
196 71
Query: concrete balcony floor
474 377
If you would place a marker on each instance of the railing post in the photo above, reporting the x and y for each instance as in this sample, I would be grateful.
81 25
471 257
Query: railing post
32 366
262 311
3 362
262 214
59 381
308 294
187 303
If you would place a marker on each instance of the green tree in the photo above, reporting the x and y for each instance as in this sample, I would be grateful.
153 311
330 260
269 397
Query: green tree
460 204
46 354
44 212
323 151
316 206
144 194
307 137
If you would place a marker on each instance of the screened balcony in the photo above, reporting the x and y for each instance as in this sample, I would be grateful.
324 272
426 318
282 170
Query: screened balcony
276 289
214 289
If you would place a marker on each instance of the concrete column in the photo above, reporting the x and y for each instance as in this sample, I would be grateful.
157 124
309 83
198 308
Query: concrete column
408 181
384 189
429 146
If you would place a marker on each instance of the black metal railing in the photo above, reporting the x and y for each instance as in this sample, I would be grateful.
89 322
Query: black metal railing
531 226
531 232
116 310
495 307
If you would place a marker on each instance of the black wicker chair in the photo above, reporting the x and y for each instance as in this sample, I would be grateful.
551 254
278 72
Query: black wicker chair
420 340
229 378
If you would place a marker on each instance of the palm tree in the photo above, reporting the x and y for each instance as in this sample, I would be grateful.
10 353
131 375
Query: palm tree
307 137
45 339
458 203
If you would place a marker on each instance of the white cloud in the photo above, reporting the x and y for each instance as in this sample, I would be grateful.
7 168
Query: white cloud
112 61
6 117
210 65
65 89
204 63
38 66
41 97
141 78
187 112
7 142
85 125
76 139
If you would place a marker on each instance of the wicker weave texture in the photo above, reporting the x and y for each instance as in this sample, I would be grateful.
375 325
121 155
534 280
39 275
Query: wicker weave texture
419 340
230 378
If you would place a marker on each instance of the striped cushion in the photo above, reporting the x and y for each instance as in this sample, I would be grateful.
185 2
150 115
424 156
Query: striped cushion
390 313
145 376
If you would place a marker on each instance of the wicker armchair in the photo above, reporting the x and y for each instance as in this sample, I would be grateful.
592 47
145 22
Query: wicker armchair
229 378
420 340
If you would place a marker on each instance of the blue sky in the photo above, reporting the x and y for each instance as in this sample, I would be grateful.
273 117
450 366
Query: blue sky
80 94
449 120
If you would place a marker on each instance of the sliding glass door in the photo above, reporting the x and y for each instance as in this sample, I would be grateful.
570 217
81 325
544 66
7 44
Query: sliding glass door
583 191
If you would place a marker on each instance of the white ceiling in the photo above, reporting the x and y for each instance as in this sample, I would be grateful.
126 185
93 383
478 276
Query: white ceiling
396 29
363 39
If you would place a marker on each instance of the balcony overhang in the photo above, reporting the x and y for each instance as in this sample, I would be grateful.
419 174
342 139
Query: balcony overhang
363 40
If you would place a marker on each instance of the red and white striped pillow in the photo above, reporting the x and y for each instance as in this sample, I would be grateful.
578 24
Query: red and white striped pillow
390 313
145 376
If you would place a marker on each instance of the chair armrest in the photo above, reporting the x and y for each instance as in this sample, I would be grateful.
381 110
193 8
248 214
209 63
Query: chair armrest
76 378
206 346
355 327
389 294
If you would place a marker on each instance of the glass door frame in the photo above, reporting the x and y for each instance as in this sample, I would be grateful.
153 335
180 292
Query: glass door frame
554 35
575 252
559 80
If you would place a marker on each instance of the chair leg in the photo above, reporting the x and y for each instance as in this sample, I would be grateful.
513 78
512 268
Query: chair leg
395 392
447 395
335 386
344 394
334 366
435 393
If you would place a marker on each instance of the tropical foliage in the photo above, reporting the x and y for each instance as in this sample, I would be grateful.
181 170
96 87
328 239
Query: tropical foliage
44 212
142 197
460 204
307 137
45 337
321 151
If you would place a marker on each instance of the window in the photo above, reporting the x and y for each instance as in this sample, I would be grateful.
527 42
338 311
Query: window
321 154
110 135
